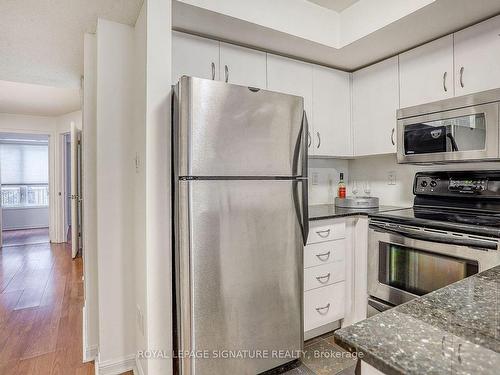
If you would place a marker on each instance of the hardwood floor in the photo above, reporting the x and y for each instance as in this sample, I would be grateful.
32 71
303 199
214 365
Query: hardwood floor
41 299
25 236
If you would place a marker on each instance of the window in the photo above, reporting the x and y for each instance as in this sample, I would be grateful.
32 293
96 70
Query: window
24 175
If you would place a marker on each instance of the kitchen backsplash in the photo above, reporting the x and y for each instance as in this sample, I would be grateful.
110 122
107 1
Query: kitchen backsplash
323 179
393 182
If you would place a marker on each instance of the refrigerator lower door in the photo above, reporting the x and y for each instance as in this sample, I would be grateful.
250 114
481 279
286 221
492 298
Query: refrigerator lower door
240 275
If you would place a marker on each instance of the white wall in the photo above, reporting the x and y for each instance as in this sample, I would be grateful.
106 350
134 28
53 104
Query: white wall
376 169
140 35
23 218
89 191
64 121
115 181
295 17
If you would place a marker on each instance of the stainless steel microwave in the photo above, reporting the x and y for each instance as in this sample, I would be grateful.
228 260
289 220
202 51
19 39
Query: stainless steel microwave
464 128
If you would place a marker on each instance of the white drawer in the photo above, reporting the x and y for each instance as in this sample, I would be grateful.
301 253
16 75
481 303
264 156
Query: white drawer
324 305
324 252
326 230
326 274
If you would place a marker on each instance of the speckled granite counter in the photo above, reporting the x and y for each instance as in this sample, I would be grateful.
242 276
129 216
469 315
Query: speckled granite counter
454 330
329 211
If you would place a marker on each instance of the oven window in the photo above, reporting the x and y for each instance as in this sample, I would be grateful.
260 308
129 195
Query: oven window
420 272
464 133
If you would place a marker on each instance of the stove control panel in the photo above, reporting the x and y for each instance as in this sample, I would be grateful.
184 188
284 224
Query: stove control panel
458 184
467 186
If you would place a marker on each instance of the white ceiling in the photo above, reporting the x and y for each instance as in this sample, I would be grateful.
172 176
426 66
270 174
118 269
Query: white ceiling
336 5
29 99
41 41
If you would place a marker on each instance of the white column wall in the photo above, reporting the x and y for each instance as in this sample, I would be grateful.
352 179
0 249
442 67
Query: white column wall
89 190
158 192
115 177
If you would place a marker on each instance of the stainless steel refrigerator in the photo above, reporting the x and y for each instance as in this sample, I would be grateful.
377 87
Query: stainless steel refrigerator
240 223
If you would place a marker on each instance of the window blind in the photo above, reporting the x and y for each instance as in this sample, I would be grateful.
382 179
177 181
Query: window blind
23 164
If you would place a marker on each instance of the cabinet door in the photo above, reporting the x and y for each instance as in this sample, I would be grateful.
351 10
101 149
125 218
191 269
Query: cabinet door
375 102
292 77
332 112
242 66
477 57
426 73
194 56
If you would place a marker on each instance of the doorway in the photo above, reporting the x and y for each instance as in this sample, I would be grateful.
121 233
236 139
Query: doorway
24 187
72 172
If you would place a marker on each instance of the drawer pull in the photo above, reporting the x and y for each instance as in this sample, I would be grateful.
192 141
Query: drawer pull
321 309
326 278
323 233
323 257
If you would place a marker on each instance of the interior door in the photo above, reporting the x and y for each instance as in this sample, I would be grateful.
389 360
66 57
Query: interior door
1 213
75 190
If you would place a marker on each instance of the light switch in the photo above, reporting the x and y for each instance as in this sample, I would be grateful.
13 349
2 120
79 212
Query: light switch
391 178
315 178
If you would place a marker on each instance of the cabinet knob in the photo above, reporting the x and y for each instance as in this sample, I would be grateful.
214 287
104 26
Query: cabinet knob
319 139
444 82
392 136
462 77
226 73
213 71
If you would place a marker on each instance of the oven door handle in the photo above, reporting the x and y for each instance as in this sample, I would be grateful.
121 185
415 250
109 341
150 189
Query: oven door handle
378 305
445 238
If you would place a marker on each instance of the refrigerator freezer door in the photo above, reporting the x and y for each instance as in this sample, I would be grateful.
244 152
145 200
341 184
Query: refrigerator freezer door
240 274
229 130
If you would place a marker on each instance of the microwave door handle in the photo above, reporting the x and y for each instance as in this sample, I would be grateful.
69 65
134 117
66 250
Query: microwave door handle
445 238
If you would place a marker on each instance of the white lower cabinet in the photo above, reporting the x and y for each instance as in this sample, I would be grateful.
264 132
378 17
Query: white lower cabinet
324 276
323 305
317 254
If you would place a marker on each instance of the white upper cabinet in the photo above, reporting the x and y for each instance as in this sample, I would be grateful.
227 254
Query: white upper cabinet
375 102
477 57
426 73
332 113
292 77
242 66
194 56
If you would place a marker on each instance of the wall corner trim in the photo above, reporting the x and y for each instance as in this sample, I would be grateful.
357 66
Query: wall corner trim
138 365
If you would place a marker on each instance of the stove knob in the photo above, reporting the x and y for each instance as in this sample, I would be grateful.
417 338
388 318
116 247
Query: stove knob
423 184
433 184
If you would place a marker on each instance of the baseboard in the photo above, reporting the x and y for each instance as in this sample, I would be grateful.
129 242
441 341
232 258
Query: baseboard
90 353
138 365
117 366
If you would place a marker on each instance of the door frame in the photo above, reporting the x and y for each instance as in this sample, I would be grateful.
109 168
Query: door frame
53 172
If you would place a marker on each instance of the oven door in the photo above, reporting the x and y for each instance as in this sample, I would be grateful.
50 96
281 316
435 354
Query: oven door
463 134
402 265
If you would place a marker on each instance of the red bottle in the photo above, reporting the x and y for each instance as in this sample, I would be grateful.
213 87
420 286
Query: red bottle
342 188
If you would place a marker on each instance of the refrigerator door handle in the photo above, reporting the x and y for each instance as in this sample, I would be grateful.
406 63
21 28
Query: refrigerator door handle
303 212
305 185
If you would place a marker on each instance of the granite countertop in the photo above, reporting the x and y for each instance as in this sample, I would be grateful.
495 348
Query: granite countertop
329 211
453 330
